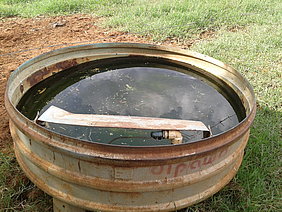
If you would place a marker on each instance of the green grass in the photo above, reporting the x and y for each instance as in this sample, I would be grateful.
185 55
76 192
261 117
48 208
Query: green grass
247 35
160 18
17 193
255 51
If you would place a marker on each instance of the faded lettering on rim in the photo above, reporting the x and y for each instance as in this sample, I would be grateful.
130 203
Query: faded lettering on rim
179 169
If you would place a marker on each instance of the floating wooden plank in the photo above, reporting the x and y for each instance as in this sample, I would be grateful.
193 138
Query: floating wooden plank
56 115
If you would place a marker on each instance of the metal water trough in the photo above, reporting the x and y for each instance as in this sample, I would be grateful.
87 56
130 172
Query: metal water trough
81 175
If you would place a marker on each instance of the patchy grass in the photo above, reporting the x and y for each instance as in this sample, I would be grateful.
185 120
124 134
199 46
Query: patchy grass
18 193
186 19
255 51
247 35
160 18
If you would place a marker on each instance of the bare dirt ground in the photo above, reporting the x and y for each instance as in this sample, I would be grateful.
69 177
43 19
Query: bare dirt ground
38 34
23 34
18 34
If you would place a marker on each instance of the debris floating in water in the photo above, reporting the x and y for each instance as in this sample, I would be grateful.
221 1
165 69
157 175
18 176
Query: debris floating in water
132 87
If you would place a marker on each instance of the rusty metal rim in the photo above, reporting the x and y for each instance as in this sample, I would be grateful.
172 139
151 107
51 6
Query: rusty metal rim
124 44
94 182
94 150
148 47
215 188
90 205
102 150
177 52
177 55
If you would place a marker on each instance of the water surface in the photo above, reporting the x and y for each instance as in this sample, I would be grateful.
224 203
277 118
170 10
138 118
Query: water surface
135 87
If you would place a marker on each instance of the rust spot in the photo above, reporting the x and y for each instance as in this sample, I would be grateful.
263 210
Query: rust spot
66 64
134 195
68 188
38 76
47 71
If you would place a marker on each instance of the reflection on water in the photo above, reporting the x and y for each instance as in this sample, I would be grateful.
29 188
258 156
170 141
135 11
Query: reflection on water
145 89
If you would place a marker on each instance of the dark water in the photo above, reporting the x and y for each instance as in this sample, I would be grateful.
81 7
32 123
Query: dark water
135 87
